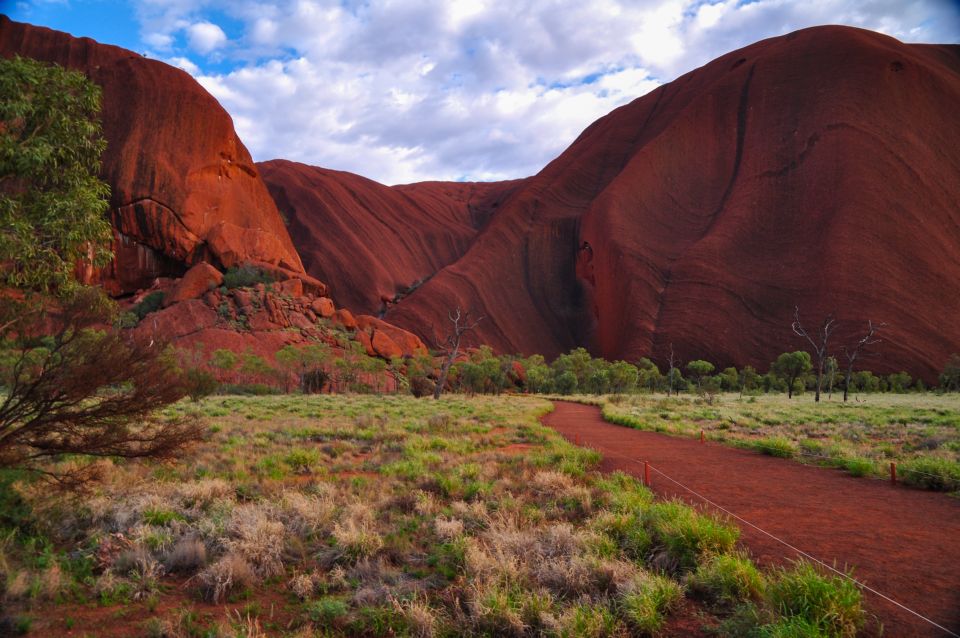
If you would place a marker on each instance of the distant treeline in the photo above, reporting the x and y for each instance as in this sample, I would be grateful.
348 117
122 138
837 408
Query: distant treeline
322 368
577 372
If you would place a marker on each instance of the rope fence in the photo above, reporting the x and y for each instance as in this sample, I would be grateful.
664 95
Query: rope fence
647 467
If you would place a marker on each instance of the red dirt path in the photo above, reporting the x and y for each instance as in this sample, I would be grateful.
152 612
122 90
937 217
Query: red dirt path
902 542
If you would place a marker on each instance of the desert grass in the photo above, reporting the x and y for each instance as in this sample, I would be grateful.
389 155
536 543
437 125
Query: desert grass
347 515
919 432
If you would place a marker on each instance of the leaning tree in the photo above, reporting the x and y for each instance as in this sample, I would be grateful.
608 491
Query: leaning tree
858 350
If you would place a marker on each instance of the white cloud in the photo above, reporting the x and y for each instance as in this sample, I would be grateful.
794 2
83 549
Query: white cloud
402 90
205 37
185 64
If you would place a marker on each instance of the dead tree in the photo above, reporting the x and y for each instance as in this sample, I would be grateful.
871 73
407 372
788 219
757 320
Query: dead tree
819 344
672 363
857 351
450 345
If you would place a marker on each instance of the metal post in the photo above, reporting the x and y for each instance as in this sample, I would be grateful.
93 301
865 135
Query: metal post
893 472
646 473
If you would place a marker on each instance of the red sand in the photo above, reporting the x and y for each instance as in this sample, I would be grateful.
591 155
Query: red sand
903 542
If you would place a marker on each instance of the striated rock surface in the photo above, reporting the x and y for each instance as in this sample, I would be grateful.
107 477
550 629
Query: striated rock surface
817 170
375 244
183 187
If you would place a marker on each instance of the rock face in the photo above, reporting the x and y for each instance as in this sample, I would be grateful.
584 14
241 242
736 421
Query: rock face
183 187
816 170
373 243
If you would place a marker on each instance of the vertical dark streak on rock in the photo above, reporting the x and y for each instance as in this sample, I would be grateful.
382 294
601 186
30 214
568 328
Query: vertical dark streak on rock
734 173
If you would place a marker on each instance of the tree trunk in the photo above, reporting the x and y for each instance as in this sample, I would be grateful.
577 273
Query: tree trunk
846 386
816 398
790 387
444 370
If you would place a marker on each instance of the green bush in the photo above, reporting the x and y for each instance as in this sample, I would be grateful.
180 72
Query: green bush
830 604
792 627
645 607
590 621
687 535
150 303
859 466
327 610
780 447
627 531
200 383
160 517
245 276
727 578
930 473
302 460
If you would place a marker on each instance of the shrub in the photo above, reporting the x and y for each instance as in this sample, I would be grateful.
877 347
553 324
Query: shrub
258 539
199 384
302 460
421 386
645 607
161 517
792 627
627 531
245 276
231 574
188 555
150 303
931 473
780 447
859 466
686 535
831 604
327 610
727 578
590 621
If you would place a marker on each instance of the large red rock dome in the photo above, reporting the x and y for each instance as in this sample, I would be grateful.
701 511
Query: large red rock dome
817 170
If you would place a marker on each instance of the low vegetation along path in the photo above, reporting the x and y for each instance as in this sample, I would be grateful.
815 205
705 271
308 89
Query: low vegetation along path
902 542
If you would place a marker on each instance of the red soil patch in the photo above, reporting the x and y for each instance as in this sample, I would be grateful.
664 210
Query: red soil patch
120 621
900 541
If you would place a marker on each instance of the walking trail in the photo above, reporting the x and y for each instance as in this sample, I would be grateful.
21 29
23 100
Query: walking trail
905 543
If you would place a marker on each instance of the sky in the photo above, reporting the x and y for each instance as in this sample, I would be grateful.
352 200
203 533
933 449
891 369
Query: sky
411 90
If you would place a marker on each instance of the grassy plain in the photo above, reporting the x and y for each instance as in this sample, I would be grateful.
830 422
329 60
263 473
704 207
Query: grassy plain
386 516
920 432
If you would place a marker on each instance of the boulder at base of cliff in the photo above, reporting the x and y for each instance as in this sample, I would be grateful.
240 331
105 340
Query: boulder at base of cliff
408 343
345 319
323 307
198 280
384 346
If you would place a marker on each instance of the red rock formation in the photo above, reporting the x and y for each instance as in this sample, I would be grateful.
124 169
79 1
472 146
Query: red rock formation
184 188
374 243
198 280
817 169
